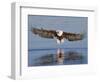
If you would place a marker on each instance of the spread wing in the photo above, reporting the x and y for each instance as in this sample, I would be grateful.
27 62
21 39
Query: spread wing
73 36
44 33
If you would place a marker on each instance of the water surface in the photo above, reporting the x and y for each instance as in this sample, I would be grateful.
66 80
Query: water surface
57 56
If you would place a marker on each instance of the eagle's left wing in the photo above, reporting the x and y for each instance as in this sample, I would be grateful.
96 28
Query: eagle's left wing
44 33
73 36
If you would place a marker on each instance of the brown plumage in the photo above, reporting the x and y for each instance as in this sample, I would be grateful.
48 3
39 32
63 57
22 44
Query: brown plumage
59 35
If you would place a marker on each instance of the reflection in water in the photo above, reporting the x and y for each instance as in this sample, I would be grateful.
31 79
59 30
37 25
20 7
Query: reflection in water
59 58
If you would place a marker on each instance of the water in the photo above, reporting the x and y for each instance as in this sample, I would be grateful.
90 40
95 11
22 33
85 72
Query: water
59 56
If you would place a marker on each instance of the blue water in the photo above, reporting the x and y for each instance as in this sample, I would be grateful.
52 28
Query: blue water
57 56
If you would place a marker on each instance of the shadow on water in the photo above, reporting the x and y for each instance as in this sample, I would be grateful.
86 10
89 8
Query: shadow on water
60 57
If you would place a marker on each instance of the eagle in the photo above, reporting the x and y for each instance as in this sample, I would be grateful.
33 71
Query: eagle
59 35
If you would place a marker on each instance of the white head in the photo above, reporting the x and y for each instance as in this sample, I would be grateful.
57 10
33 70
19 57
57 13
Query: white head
59 32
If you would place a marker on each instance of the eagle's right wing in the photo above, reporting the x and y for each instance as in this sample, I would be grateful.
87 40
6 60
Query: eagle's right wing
43 33
73 36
